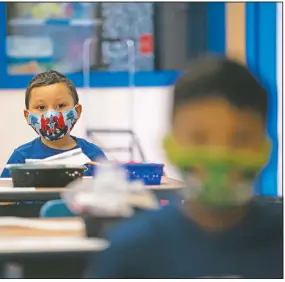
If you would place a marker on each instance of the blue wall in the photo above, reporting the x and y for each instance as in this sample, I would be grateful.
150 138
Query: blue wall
261 58
216 28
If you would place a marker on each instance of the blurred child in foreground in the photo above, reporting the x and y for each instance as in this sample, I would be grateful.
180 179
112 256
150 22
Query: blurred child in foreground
219 143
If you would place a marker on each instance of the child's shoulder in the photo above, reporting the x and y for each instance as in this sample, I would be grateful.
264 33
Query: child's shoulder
26 148
84 143
90 149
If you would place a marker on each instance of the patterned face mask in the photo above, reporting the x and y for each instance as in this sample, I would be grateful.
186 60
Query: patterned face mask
217 177
53 125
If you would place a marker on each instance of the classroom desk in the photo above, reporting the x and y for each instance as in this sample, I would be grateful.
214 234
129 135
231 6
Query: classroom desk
48 253
166 183
30 240
25 231
167 188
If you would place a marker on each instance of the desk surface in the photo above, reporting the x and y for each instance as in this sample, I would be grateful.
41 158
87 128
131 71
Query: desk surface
9 194
166 184
29 240
23 231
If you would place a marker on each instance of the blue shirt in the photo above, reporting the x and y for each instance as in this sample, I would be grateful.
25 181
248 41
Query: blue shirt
38 150
167 244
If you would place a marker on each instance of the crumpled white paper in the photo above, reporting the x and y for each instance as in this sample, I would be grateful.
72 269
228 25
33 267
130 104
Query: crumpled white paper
109 194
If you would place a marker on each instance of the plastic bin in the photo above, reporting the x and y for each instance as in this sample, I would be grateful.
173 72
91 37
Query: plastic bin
150 174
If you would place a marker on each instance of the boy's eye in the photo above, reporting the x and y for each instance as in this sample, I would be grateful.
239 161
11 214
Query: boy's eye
59 106
41 107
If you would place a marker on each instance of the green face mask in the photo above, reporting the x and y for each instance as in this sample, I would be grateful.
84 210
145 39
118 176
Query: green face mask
217 187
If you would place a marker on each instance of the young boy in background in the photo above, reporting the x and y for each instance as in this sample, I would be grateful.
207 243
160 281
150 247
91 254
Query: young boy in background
219 143
52 110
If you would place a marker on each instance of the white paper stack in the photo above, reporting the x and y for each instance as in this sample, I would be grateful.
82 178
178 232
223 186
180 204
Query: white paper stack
67 159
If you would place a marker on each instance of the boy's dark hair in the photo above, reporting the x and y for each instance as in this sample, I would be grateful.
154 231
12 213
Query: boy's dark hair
49 78
218 77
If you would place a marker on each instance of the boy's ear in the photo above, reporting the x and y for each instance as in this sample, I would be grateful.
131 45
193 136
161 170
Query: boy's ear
26 115
78 110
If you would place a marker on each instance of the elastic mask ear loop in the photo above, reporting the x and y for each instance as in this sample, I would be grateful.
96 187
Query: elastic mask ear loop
75 108
29 113
76 119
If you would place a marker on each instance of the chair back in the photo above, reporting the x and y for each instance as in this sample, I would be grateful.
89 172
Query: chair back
56 208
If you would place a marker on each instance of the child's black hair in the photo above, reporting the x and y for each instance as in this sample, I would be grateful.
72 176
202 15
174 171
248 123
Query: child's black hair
49 78
219 77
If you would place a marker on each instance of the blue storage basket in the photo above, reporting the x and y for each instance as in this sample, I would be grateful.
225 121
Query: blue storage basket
150 174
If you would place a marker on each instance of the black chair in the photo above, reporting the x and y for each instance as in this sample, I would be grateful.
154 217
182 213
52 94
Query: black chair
134 144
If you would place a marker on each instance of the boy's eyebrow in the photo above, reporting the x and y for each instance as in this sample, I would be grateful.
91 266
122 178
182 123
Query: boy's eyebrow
60 98
38 101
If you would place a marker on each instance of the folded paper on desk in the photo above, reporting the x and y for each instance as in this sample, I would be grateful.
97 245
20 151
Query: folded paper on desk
73 157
